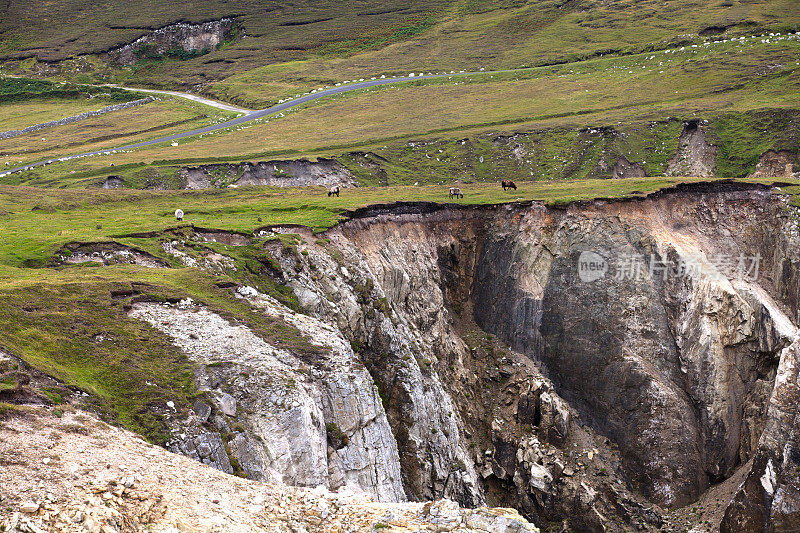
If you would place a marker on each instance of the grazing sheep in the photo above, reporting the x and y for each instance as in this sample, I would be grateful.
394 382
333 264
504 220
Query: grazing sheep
179 214
455 192
334 191
508 184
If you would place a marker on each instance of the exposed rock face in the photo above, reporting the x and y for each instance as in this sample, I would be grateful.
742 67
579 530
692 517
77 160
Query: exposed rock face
667 356
675 368
423 417
187 37
113 182
769 498
625 169
108 253
294 173
695 156
509 374
310 425
772 164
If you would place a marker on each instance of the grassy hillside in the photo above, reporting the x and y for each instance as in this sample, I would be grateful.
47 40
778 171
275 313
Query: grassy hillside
45 29
563 120
306 44
99 215
26 89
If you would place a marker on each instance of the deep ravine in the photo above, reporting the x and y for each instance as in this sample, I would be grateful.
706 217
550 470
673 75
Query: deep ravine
464 354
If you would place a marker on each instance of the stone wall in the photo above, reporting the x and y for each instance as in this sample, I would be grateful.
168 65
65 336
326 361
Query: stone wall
75 118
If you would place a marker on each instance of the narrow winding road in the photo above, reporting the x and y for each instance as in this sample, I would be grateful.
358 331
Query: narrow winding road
193 97
248 117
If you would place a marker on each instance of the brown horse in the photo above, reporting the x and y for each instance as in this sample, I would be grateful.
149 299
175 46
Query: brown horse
508 184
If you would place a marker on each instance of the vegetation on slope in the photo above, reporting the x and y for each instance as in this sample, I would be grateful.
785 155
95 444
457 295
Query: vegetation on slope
21 89
554 122
317 43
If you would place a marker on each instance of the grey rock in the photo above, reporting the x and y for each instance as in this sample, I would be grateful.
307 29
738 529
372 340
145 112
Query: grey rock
209 449
202 409
307 299
540 478
189 37
286 412
227 404
290 173
771 492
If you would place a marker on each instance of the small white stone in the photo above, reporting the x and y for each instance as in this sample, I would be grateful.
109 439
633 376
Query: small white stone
29 507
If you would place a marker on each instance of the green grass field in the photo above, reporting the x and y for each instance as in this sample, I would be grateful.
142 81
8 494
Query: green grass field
97 215
23 114
155 119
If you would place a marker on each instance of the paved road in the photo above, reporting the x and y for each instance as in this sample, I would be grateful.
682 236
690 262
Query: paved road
254 115
206 101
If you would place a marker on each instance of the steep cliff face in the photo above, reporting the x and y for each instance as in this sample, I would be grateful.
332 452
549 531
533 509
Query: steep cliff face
308 421
668 360
593 365
666 351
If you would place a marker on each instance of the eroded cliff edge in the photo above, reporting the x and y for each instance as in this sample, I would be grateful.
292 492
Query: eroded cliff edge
434 351
654 387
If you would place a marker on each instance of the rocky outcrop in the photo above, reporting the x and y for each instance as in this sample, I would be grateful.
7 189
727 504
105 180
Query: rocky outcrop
695 156
76 474
775 164
312 422
659 347
625 169
113 182
673 360
292 173
107 253
769 498
182 36
592 365
424 420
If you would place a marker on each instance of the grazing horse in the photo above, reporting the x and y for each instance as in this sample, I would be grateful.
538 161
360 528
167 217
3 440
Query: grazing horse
455 192
334 191
508 184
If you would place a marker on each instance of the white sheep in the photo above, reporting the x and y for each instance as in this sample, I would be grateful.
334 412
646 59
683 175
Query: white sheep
179 214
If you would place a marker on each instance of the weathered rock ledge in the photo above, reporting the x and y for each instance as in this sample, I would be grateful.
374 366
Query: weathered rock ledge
77 474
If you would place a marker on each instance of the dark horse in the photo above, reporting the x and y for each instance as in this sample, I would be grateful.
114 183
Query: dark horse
334 191
508 184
